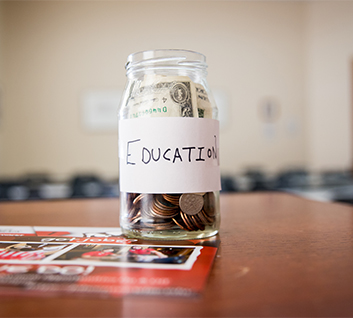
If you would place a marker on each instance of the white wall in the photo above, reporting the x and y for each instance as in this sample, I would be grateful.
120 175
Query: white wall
329 91
1 80
1 42
256 51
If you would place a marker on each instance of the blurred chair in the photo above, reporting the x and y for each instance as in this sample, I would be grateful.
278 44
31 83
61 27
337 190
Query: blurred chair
257 180
293 178
87 186
228 184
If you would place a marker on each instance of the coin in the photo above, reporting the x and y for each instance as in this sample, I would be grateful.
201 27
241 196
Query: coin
172 198
161 208
196 222
210 204
191 203
187 222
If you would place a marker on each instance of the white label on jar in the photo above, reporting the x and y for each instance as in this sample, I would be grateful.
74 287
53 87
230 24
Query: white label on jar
169 155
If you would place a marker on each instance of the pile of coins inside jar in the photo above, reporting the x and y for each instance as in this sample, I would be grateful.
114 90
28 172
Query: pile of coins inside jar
187 211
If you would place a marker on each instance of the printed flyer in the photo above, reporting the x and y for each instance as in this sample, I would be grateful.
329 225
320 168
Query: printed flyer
48 261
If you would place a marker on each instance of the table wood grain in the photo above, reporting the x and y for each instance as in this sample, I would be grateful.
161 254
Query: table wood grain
280 256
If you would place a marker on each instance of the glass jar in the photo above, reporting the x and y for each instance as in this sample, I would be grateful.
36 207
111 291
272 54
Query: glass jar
168 148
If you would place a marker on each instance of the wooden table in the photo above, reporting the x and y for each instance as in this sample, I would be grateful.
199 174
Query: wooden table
280 255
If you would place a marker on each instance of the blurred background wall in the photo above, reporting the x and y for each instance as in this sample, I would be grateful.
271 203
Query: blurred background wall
329 89
1 81
283 69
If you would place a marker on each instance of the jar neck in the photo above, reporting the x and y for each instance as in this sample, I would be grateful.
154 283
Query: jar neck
166 62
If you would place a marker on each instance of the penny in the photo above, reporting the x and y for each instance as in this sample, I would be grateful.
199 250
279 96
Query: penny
204 218
180 223
191 203
187 222
196 222
172 198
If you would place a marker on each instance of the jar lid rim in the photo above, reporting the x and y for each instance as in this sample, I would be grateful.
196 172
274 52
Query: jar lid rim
166 56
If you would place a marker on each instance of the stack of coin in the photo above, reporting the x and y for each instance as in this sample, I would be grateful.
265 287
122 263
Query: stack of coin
188 211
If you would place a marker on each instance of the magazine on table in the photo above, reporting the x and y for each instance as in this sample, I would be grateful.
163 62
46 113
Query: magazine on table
47 261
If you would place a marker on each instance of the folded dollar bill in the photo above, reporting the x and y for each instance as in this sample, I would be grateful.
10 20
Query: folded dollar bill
168 96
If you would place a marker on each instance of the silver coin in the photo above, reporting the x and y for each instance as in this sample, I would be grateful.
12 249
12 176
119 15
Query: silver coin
210 204
191 203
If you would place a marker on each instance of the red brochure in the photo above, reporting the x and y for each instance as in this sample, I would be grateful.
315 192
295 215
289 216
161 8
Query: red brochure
48 261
